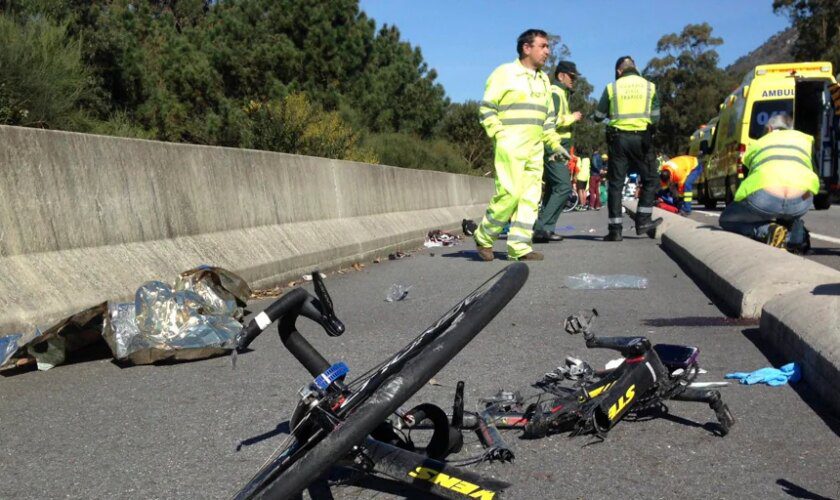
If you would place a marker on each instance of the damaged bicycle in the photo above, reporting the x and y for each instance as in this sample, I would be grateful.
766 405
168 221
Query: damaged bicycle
342 422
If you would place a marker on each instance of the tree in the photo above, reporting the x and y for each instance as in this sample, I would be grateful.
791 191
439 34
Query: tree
587 135
818 24
460 125
689 84
43 76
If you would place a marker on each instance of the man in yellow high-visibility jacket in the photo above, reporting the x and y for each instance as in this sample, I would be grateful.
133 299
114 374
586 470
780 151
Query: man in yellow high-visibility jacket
778 190
632 106
517 112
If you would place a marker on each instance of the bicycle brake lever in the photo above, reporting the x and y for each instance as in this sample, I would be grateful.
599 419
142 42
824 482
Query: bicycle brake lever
324 304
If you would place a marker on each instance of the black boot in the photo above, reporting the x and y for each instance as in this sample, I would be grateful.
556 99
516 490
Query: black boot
644 224
614 233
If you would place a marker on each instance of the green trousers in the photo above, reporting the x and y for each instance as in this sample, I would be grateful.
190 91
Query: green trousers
558 187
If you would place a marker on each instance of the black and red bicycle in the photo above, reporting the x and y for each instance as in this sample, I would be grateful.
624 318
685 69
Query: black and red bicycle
576 398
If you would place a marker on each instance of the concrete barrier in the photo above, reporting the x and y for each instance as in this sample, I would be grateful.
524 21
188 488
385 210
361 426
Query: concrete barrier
797 300
743 273
87 218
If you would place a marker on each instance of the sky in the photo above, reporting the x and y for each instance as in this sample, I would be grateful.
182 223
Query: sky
464 40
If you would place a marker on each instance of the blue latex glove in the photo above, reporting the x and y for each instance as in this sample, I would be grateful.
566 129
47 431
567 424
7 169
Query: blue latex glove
770 376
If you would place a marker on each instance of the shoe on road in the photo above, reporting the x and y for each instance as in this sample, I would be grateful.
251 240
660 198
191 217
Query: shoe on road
647 226
484 253
614 235
541 237
530 256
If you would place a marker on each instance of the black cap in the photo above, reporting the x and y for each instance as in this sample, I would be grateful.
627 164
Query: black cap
566 67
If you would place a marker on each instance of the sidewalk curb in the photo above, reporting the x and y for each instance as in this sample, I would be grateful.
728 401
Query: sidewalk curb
797 300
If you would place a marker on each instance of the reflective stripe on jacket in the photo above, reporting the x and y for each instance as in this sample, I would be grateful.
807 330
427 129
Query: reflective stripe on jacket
517 102
631 102
781 158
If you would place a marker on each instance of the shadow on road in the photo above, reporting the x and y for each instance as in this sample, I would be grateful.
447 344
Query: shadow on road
282 428
700 321
802 389
797 491
829 289
473 255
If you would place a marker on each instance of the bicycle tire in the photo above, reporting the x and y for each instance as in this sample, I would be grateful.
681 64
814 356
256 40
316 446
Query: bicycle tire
571 203
391 393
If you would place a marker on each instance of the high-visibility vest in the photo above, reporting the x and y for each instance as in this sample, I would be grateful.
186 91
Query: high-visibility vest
631 100
680 167
517 102
781 158
563 117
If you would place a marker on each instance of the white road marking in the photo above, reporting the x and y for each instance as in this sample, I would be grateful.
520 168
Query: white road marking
815 236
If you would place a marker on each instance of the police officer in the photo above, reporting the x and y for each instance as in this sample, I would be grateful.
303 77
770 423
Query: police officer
517 112
558 184
631 104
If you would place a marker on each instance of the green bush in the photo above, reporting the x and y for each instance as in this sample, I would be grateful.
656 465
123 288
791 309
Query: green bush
408 151
42 76
295 125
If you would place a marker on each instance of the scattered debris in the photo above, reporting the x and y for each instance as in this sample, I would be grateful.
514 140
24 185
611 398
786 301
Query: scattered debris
397 292
358 266
267 293
377 260
398 255
469 227
586 281
308 277
438 238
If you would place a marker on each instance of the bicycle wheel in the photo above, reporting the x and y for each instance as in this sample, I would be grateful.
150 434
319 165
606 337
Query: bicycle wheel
386 388
571 203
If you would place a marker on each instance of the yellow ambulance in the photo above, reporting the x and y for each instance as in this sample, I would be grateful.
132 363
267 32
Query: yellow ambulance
799 89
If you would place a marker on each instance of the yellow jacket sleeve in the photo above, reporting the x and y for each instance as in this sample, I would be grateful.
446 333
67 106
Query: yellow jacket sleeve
550 137
488 109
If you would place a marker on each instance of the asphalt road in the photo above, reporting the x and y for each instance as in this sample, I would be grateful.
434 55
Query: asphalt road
824 226
95 430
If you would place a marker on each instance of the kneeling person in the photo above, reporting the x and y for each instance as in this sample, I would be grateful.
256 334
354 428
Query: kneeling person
779 189
677 178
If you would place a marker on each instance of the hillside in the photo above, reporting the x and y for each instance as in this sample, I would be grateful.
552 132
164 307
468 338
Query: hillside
776 49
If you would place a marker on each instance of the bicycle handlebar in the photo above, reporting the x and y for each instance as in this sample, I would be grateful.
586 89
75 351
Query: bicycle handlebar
286 309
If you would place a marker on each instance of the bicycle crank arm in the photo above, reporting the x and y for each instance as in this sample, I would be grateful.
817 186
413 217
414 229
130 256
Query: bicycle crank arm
425 474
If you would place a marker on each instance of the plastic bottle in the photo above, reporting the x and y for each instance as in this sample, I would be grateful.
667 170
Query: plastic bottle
586 281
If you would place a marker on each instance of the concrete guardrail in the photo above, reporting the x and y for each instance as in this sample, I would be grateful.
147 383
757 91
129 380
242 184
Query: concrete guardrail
86 218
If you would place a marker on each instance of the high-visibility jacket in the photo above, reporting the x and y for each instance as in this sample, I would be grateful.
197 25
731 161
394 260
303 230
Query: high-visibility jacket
631 102
518 103
583 171
680 167
781 158
563 114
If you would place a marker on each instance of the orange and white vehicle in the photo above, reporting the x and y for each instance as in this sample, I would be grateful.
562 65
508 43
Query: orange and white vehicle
800 89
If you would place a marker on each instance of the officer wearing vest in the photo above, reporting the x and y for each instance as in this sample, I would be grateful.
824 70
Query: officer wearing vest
556 176
677 177
778 189
517 112
632 107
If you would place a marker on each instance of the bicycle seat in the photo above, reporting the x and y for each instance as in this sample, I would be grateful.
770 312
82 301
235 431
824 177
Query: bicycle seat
629 347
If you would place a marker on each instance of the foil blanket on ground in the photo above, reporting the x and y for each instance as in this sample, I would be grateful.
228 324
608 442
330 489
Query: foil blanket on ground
197 318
